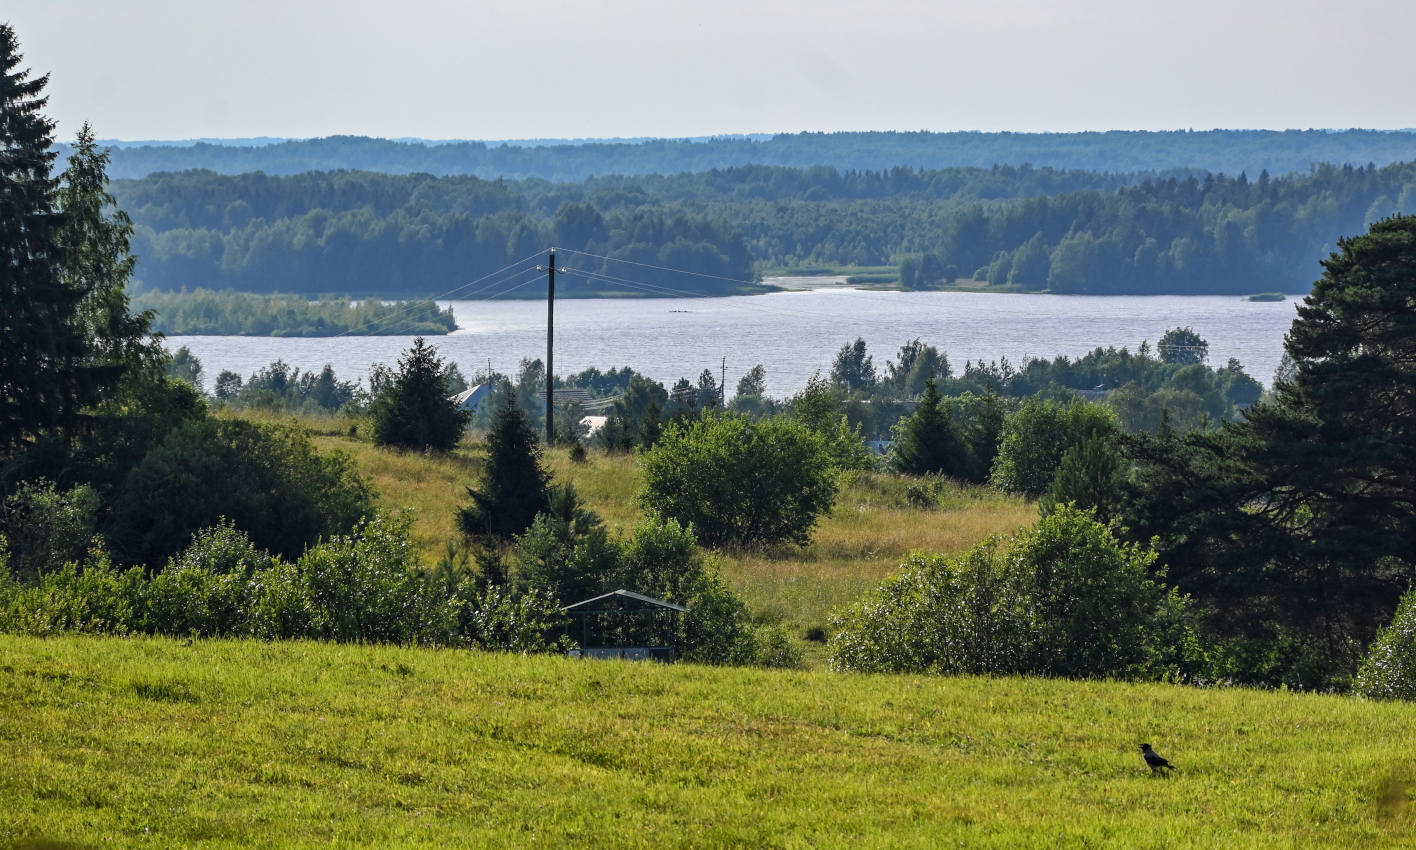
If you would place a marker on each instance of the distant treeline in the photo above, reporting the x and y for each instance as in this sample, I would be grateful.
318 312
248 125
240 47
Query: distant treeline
1216 235
416 235
1227 151
205 312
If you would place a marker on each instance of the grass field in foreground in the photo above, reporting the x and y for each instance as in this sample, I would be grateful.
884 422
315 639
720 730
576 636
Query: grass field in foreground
161 743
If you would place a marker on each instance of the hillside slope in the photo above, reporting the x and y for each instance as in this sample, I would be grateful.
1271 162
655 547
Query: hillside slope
230 744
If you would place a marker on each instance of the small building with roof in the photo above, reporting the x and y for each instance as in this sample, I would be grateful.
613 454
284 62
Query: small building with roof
624 624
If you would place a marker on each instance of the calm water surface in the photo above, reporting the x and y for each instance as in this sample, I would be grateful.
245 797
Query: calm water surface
792 334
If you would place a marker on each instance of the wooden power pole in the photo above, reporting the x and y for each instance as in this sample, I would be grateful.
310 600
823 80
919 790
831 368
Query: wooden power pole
550 348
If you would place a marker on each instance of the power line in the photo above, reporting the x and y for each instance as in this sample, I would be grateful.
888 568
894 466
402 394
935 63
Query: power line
406 311
661 268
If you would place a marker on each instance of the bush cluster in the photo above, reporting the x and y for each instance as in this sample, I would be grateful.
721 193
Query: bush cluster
568 553
360 587
1064 598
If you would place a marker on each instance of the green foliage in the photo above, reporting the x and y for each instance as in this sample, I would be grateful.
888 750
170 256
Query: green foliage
514 487
414 412
938 615
928 441
738 481
1038 434
1293 526
204 312
1182 346
363 587
280 387
567 550
267 479
569 556
818 407
917 364
1064 599
495 618
69 339
1092 475
980 420
208 588
1140 388
183 365
853 370
45 527
1389 670
95 598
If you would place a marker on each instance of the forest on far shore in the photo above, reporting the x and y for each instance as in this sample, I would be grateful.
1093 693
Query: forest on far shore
1227 151
713 232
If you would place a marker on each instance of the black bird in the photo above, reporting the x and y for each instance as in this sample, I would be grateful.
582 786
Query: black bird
1154 760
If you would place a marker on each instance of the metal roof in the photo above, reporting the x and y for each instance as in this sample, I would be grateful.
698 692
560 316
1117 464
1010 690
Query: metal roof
638 597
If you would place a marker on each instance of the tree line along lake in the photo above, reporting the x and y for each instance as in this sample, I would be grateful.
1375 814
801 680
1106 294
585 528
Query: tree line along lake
791 333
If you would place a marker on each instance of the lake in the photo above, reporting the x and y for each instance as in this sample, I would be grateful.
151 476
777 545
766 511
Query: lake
792 334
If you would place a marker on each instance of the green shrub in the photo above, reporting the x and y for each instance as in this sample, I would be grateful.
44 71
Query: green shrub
939 615
364 586
47 527
96 598
738 481
268 480
207 588
495 618
1389 670
1038 434
1063 599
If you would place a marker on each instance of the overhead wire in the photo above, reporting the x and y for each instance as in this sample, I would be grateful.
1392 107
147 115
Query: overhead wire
406 311
659 268
756 307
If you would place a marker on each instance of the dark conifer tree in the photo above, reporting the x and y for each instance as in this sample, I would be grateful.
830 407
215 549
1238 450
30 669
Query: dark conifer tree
41 345
97 263
1301 519
1091 476
927 441
514 487
415 412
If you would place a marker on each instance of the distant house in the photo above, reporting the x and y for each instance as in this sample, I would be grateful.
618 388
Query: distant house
593 424
471 399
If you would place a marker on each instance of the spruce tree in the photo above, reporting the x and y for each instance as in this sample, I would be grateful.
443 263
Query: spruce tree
514 487
927 441
414 411
1091 477
96 262
41 345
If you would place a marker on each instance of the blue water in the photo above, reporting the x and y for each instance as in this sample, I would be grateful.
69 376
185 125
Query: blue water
792 334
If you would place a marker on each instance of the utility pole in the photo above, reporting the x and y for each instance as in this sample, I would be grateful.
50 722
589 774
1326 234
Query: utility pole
723 384
550 348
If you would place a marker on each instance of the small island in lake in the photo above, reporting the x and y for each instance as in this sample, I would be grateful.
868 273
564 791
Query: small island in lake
1267 296
206 312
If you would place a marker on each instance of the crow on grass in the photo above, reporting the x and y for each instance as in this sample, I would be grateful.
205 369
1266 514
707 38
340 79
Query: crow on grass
1154 760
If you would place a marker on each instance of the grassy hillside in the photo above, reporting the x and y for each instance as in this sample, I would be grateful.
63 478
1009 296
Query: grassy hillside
870 531
138 742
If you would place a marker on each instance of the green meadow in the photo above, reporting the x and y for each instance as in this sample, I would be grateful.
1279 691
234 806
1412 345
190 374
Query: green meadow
872 528
167 743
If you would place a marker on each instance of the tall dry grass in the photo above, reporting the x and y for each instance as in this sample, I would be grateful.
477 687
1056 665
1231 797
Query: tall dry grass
873 526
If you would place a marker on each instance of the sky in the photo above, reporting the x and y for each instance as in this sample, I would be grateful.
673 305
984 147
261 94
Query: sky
515 69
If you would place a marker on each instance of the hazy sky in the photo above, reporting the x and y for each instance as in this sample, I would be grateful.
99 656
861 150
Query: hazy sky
150 69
